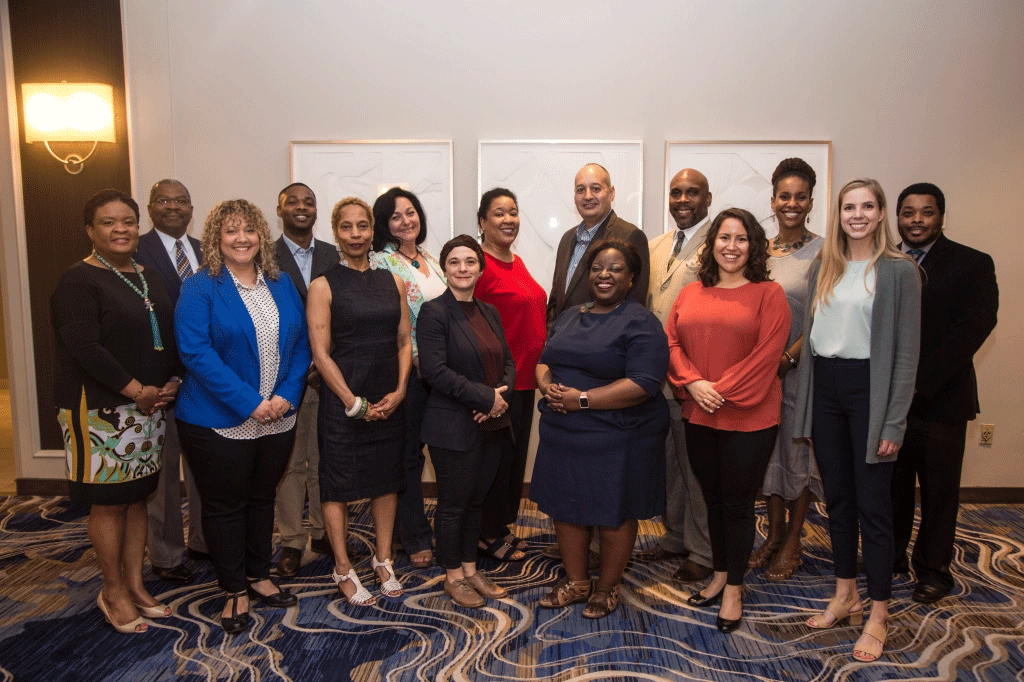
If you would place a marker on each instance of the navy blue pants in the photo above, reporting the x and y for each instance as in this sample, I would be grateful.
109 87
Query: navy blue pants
857 494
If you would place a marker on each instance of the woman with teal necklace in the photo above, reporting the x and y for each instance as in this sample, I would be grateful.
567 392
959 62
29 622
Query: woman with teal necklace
116 363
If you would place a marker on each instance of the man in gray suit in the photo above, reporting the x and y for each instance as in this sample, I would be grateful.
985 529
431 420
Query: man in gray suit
674 258
303 259
169 250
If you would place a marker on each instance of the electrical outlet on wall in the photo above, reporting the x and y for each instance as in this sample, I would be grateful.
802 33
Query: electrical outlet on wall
988 432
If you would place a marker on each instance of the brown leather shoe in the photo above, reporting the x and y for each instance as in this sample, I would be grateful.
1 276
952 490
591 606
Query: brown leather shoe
463 594
484 587
690 572
288 564
657 553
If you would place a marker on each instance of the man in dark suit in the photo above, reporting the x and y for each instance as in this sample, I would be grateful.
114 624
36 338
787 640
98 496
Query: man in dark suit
303 258
959 302
594 194
168 250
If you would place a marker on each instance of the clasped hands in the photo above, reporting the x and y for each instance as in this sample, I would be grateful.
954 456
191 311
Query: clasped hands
704 394
497 409
153 398
271 410
562 398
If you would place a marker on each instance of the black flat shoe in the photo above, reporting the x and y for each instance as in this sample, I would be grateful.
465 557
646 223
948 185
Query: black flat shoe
236 622
726 625
696 599
281 599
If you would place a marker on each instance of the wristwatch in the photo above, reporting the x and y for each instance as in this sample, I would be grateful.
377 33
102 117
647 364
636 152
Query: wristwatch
584 401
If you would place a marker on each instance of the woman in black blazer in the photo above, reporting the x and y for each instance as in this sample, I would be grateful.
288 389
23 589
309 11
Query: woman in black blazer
464 358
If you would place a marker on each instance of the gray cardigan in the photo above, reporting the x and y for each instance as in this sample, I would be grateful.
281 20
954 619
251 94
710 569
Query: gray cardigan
895 345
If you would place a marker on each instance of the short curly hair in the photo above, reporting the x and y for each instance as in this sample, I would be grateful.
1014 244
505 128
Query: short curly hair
756 269
237 208
629 252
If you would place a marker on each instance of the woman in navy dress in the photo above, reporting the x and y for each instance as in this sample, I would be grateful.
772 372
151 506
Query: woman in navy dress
601 457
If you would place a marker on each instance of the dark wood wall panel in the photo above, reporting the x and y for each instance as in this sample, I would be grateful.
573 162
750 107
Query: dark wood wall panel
73 41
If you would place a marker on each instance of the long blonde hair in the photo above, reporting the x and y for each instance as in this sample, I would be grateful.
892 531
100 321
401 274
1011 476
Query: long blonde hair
253 216
833 251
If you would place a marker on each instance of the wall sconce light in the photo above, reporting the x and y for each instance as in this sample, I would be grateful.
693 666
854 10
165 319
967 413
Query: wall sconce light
68 112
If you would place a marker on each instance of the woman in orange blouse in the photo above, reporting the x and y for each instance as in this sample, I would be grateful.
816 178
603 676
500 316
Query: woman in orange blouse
726 333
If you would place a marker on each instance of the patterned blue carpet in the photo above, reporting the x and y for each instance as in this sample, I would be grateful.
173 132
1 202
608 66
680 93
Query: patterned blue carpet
51 630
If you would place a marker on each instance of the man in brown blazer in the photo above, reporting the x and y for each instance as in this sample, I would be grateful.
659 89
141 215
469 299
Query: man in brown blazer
674 264
594 194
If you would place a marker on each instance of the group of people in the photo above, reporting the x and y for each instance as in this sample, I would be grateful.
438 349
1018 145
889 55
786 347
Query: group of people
679 378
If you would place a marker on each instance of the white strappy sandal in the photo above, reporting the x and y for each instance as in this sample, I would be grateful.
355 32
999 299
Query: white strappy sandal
362 597
390 587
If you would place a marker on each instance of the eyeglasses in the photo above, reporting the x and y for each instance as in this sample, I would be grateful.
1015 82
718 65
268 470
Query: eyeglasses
177 201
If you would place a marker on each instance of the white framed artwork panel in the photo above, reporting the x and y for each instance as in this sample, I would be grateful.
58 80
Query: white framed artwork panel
541 173
368 168
740 175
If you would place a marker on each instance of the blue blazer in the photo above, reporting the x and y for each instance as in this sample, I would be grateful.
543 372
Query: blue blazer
217 342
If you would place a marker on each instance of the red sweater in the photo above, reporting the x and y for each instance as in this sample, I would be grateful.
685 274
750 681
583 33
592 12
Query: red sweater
734 339
522 305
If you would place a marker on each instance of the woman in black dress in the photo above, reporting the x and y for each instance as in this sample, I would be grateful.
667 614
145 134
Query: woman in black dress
603 422
115 357
359 334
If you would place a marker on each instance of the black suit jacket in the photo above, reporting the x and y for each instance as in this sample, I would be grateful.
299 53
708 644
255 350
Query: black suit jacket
325 256
959 302
450 362
151 253
578 291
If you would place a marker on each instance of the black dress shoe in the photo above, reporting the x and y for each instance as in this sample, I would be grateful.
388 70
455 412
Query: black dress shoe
197 555
699 600
290 561
236 622
690 572
928 594
657 553
176 575
726 625
321 546
281 599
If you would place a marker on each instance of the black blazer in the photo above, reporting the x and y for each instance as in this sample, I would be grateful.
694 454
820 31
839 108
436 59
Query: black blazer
959 302
450 362
151 253
325 256
578 291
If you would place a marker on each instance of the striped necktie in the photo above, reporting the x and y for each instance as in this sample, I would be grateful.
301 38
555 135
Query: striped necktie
181 260
916 254
680 240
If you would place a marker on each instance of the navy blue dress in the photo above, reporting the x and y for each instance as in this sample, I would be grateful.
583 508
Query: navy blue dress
603 467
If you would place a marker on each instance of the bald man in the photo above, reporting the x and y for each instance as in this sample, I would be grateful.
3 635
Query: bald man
674 258
594 194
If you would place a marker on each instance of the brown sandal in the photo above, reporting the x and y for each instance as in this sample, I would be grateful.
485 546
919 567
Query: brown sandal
566 592
602 602
785 563
765 553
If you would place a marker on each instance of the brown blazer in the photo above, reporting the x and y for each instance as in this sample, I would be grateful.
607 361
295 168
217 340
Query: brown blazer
578 291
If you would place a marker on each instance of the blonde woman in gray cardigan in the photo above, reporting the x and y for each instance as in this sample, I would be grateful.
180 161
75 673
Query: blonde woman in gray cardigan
854 393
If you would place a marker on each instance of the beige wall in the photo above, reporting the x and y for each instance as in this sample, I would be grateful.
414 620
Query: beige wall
907 91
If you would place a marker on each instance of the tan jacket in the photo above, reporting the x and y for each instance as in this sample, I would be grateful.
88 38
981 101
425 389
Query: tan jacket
666 283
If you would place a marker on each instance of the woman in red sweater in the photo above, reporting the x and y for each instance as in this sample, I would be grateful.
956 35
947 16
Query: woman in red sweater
726 333
521 303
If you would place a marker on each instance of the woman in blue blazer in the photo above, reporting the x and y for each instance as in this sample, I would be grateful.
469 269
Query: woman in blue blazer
241 332
466 362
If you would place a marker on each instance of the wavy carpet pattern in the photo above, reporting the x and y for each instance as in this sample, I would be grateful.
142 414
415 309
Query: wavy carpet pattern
51 630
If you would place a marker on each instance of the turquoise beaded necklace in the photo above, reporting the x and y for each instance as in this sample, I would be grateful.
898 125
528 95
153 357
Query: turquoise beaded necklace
158 343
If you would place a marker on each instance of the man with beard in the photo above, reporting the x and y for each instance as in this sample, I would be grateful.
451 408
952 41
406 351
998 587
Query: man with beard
959 301
303 258
167 250
674 265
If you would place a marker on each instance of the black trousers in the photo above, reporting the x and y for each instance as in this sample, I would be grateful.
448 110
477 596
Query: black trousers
730 466
237 482
857 494
932 454
463 479
501 507
412 526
